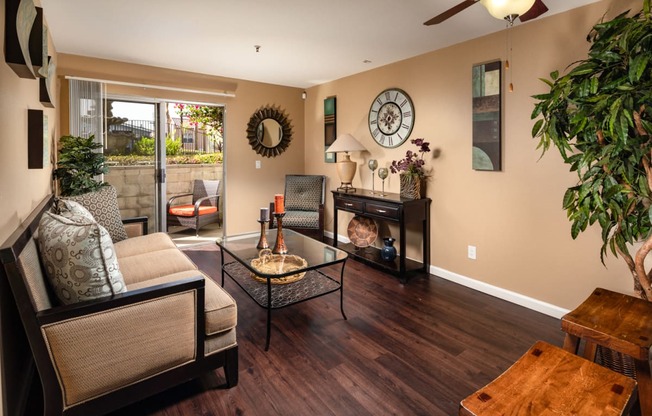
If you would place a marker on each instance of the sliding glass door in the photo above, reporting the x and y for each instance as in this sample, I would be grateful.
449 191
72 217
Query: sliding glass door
131 146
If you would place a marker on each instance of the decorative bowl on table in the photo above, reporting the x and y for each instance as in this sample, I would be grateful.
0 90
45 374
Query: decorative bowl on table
362 231
269 263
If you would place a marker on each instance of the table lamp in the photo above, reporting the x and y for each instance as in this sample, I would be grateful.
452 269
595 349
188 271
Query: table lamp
346 168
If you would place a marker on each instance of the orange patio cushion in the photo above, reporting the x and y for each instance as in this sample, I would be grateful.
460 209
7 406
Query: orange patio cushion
189 210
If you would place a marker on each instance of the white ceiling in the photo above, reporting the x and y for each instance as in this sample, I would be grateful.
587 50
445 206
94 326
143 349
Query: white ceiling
303 42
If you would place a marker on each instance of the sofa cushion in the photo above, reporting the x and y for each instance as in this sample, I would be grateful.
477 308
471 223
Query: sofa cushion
220 308
79 258
153 264
143 244
103 205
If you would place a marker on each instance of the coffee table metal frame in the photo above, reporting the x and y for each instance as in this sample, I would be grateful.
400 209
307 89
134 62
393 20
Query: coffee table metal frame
242 249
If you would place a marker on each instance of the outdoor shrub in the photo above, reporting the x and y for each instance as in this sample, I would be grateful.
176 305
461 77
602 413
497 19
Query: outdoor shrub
145 146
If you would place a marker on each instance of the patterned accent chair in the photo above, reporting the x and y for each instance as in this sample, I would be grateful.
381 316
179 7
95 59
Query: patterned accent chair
203 210
304 204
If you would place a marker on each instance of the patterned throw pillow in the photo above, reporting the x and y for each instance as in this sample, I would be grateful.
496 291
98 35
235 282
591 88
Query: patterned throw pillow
79 258
103 205
303 193
71 209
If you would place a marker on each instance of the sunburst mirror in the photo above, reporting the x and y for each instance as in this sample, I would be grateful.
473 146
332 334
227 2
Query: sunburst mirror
269 131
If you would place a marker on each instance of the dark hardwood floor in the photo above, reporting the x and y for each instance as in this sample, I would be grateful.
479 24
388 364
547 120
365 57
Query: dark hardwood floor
414 349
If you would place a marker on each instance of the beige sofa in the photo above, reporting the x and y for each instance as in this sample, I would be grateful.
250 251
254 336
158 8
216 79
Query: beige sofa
170 325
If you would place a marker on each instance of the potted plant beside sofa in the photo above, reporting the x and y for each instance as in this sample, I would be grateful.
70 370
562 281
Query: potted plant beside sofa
599 116
79 165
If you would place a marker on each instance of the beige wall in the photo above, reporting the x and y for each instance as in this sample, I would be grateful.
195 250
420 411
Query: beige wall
21 189
247 189
513 217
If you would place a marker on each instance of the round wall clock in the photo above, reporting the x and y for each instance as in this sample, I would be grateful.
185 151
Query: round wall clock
391 117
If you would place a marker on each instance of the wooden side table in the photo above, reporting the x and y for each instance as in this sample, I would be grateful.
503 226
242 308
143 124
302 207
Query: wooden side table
547 380
619 322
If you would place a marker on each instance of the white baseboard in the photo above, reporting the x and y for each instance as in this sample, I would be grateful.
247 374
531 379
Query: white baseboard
508 295
504 294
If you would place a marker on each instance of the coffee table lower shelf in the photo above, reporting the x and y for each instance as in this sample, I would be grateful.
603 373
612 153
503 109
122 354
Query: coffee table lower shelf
272 296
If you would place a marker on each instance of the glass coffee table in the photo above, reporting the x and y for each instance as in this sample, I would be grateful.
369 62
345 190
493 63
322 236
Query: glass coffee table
264 280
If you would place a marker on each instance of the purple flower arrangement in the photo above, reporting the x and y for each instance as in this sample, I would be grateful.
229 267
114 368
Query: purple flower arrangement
413 163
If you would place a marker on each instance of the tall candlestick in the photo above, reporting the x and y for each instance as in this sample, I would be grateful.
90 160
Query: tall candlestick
279 246
264 214
279 206
262 241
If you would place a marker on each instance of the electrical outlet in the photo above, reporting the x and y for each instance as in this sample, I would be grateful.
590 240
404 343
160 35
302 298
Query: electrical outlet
471 252
258 164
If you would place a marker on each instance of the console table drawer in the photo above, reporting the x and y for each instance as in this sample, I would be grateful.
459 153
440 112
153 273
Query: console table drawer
349 204
382 211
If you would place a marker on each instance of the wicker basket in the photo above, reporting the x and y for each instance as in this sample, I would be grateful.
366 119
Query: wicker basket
269 263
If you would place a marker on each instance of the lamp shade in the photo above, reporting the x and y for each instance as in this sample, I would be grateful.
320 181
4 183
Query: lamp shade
503 9
345 143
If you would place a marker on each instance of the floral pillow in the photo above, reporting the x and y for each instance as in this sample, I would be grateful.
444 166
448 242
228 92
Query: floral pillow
79 258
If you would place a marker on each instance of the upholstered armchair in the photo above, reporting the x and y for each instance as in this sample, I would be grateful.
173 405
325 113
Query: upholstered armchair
203 210
304 205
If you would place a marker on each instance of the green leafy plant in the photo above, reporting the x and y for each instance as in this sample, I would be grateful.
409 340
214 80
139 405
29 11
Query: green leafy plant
78 165
598 116
146 146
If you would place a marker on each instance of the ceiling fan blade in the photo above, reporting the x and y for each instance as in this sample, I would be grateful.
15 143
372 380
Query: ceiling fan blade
450 12
537 9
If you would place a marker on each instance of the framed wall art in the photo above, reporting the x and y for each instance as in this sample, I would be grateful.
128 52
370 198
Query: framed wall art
487 113
330 128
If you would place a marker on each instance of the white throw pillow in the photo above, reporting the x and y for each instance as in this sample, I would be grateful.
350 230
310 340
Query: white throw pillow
79 258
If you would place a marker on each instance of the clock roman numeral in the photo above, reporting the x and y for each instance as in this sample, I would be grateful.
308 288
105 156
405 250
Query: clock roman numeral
404 102
405 126
379 101
375 132
387 97
391 140
374 122
396 98
407 114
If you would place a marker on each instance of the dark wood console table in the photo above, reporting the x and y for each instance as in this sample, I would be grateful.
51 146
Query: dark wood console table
392 208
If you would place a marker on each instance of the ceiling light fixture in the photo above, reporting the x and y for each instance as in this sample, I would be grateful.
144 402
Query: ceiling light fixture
507 9
257 47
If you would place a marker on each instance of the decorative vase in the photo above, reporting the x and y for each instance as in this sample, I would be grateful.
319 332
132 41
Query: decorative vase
412 187
388 252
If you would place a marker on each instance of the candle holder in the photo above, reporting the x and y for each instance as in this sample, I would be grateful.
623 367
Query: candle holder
262 242
382 174
373 164
279 247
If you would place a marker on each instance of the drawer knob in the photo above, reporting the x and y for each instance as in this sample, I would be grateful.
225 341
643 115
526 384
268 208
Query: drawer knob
347 204
382 211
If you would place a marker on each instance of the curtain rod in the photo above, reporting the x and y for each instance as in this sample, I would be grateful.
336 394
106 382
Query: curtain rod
157 87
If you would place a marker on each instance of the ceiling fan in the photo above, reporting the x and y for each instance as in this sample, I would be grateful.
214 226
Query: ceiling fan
523 9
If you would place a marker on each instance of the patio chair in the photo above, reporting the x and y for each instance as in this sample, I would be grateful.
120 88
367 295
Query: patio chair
304 205
203 210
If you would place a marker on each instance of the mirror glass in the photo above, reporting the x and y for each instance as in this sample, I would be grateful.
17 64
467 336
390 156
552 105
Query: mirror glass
269 133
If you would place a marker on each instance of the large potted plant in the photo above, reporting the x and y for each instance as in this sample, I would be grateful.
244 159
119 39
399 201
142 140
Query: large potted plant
599 116
79 165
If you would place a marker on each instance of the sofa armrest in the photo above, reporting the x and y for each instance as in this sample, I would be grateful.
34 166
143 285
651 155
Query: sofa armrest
135 226
80 309
126 338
